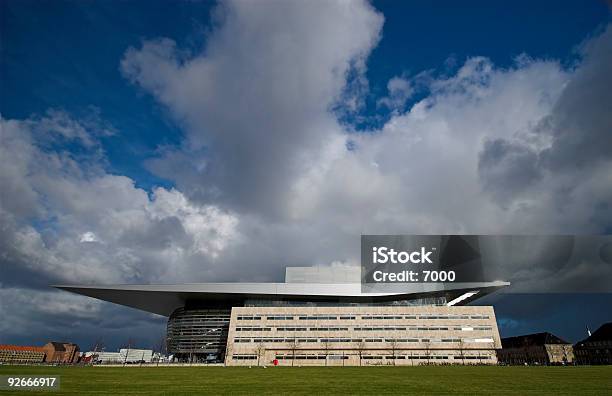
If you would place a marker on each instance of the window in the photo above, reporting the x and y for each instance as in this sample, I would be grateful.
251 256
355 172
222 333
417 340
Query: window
318 317
328 328
291 328
245 317
300 357
244 357
253 328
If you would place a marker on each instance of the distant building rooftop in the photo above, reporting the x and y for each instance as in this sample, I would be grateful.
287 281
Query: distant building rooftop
604 333
5 347
544 338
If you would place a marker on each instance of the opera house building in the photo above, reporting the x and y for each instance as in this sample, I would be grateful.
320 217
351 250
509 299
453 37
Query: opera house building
319 316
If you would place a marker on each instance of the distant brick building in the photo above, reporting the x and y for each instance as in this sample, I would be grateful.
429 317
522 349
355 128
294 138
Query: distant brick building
538 348
21 354
597 348
51 352
61 352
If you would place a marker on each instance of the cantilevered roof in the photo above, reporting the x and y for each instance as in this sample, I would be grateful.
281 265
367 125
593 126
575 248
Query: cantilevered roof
164 299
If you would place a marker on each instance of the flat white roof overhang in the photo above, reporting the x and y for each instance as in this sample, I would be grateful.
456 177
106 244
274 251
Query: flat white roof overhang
164 299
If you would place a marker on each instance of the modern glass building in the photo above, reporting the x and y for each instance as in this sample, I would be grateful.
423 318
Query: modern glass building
319 316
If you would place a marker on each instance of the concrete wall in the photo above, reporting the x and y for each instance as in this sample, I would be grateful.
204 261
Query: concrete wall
339 336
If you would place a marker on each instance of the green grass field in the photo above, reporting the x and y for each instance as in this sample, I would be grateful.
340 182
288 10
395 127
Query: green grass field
475 380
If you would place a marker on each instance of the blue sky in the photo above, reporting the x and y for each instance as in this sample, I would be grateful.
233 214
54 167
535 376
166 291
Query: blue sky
192 141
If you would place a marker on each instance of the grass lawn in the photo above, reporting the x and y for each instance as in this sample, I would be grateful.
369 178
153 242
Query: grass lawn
324 380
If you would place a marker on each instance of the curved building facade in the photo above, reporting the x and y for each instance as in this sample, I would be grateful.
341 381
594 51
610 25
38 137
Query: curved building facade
194 333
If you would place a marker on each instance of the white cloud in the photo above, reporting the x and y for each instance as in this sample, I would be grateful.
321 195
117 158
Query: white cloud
400 90
211 229
255 103
78 202
88 237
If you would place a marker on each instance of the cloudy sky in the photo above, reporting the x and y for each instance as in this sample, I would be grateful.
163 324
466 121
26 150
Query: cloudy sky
196 141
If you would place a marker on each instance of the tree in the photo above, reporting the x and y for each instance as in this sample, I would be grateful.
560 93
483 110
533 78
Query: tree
427 349
326 348
565 354
360 346
260 350
161 347
526 351
293 346
393 346
461 347
130 344
98 346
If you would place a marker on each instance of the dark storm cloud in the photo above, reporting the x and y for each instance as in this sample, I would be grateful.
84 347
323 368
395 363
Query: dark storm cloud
507 169
579 126
580 122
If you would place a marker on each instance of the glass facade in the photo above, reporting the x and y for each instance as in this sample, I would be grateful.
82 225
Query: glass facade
197 335
428 301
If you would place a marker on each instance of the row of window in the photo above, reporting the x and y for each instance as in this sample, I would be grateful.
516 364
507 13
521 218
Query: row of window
201 318
367 328
425 357
399 340
367 357
363 317
244 357
312 328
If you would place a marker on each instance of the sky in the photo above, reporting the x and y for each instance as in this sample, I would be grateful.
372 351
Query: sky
204 141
